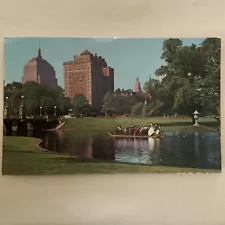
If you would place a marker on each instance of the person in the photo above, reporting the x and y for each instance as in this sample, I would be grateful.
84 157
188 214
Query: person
118 129
135 130
151 130
157 131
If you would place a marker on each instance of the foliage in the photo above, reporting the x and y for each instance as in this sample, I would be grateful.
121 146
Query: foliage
121 103
137 109
190 77
35 96
80 104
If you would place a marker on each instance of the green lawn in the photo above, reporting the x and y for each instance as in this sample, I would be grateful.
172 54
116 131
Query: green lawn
109 124
21 156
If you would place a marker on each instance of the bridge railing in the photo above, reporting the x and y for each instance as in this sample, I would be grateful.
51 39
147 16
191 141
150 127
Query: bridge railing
35 117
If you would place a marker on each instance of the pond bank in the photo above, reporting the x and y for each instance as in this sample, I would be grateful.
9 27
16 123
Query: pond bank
109 124
22 156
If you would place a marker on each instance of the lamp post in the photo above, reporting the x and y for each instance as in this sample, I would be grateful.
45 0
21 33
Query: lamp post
40 110
70 112
196 114
6 108
21 108
55 110
22 97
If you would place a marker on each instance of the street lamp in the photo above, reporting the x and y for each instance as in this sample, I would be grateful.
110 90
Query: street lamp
40 110
21 108
6 108
22 97
70 112
196 114
55 110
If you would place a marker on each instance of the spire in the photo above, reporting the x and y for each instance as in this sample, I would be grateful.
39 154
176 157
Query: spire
137 87
39 50
39 53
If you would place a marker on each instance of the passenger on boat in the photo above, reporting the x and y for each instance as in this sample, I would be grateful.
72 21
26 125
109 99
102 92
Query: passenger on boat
135 130
144 130
118 129
158 132
151 130
141 130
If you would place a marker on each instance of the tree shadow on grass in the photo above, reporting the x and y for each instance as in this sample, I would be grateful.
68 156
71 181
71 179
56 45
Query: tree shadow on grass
16 151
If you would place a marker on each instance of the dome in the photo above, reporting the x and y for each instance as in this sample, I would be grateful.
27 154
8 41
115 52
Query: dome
39 70
32 62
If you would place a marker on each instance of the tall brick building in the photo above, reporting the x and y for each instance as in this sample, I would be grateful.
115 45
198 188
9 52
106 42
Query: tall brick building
39 70
90 75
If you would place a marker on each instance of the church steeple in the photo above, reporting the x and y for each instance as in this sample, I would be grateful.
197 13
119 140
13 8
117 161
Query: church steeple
39 53
39 50
137 87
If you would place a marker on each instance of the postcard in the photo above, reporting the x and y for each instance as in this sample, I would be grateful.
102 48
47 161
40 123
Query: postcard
111 105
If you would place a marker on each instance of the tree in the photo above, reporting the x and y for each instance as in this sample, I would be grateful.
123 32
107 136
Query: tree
106 99
35 96
137 109
145 110
13 92
209 86
79 102
182 73
154 88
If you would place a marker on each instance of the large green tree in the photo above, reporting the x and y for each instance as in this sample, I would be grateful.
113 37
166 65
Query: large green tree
209 86
189 74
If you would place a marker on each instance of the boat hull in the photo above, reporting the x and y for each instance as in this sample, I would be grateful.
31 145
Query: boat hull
131 136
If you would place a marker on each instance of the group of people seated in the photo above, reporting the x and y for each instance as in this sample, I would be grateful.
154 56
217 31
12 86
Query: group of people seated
147 130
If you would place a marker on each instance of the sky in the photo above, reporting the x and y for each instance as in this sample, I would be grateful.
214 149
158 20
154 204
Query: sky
130 57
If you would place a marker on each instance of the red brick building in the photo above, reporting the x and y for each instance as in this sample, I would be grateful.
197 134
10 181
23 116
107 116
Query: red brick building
90 75
39 70
137 90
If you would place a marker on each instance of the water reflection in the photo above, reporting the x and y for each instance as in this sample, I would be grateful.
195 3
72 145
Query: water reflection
199 150
82 145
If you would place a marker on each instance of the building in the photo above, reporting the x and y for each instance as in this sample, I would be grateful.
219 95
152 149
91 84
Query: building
39 70
137 91
137 86
89 75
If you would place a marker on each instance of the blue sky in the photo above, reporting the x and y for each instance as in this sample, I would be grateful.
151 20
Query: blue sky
131 57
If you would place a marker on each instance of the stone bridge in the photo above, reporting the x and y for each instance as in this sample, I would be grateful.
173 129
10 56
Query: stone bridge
23 125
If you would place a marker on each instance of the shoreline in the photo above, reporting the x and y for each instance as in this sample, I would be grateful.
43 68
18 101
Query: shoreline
94 165
17 159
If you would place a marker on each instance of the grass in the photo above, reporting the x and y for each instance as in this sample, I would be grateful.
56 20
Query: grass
109 124
21 156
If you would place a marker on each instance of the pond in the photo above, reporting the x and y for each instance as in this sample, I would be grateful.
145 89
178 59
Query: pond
196 150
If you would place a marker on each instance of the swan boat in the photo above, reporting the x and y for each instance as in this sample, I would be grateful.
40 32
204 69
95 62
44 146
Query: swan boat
133 136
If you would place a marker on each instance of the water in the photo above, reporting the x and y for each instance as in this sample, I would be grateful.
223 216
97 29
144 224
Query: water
196 150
